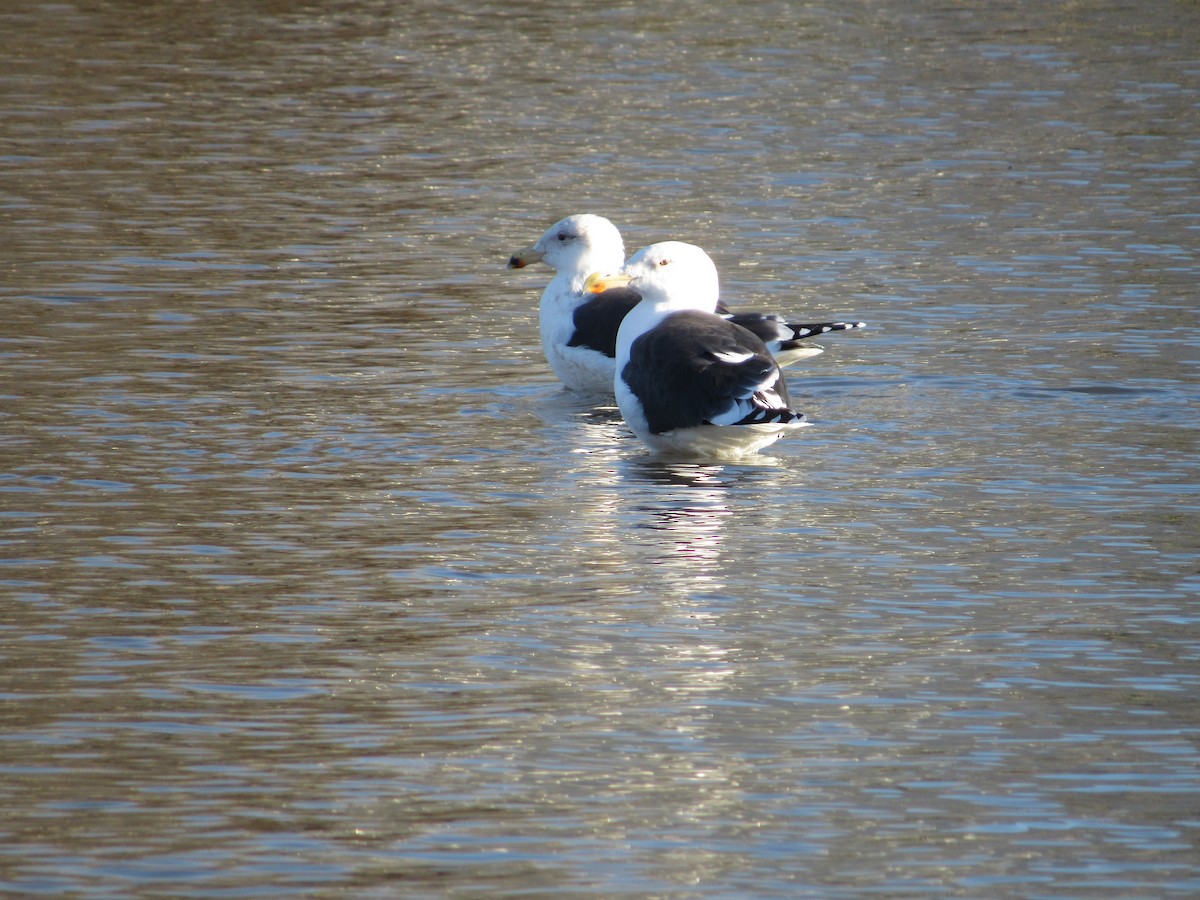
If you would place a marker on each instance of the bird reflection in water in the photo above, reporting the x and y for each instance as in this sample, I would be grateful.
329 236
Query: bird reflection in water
688 504
692 512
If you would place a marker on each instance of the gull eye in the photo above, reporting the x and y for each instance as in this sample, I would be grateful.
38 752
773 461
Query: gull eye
563 236
664 262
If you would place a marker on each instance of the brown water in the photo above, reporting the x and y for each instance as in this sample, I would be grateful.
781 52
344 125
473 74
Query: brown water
315 583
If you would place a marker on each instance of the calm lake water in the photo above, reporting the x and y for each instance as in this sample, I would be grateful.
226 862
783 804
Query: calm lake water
315 583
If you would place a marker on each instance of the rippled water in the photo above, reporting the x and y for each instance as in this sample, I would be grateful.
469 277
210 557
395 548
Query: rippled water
316 583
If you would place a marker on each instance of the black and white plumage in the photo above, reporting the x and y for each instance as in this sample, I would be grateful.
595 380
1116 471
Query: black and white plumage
785 340
579 328
687 379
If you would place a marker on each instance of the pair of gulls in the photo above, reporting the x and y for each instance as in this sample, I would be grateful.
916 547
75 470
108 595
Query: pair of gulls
689 376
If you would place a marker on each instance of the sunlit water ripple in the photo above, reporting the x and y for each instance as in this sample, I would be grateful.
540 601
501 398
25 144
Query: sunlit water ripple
317 583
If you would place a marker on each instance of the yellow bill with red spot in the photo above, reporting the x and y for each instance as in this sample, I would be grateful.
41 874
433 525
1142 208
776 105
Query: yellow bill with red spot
523 258
599 282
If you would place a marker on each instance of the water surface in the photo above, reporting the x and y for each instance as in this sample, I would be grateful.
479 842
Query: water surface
315 582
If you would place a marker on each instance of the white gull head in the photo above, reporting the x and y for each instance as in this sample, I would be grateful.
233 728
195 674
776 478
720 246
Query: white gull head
575 247
674 276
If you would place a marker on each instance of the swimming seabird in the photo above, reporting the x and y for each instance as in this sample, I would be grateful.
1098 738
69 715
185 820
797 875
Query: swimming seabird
579 328
687 379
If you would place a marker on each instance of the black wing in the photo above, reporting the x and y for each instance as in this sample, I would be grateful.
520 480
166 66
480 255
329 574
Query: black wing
780 335
694 367
598 319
